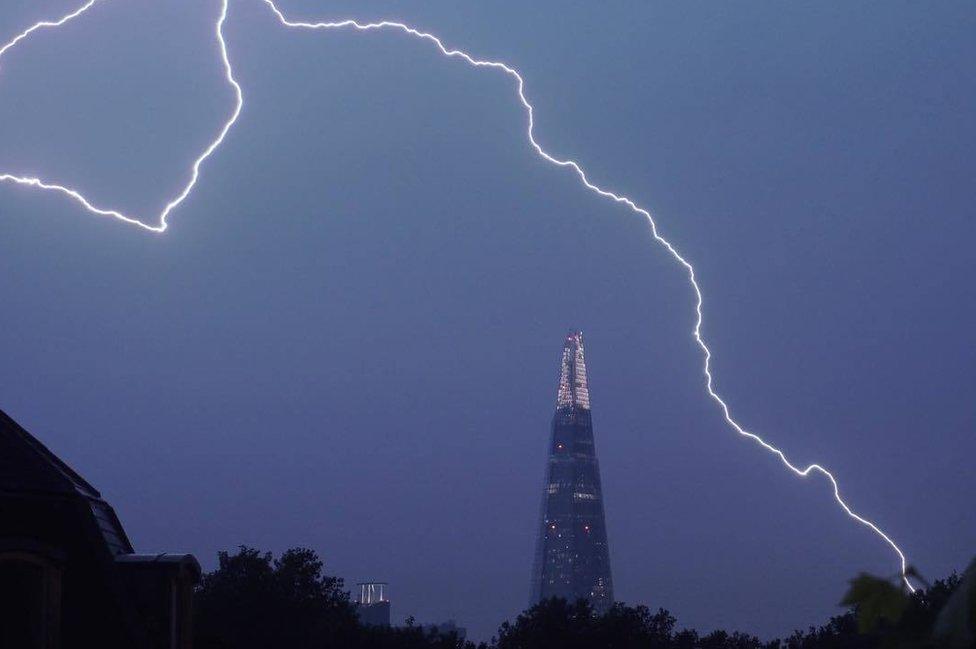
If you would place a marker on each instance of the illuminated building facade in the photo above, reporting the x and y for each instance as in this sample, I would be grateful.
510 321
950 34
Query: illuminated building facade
373 607
572 558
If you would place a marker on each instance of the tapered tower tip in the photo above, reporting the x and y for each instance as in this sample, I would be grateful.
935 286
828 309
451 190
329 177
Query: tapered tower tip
573 390
572 558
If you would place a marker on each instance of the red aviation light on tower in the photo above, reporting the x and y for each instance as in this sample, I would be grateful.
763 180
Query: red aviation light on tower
572 555
572 386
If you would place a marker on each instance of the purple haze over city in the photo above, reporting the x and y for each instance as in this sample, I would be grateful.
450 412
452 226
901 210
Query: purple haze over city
349 337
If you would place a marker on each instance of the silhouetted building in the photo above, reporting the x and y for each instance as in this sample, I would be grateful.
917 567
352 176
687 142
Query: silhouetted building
68 574
572 558
373 606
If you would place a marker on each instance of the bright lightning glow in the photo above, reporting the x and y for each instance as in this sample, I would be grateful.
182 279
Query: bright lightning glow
44 24
161 220
530 132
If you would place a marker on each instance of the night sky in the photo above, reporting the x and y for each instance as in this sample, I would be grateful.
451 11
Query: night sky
349 337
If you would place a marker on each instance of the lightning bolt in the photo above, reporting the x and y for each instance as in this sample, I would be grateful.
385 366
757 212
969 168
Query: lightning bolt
572 165
161 219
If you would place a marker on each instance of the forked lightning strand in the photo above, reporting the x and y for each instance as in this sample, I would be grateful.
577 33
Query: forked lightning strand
161 219
571 164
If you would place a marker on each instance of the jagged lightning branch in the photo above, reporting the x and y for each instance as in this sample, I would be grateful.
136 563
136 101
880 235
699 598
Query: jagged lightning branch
195 169
571 164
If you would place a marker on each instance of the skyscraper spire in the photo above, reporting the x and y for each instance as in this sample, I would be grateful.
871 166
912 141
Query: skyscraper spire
572 558
572 375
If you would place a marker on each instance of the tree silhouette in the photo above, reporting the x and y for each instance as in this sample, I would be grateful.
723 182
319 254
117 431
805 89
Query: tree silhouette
557 624
254 601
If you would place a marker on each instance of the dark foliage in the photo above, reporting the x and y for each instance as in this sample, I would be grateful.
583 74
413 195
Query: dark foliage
556 624
253 601
879 621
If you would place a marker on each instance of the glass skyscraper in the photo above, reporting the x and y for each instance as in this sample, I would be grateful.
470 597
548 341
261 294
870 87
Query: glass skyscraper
572 559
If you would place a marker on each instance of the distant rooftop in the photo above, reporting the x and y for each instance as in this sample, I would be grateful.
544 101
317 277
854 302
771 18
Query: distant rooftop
372 592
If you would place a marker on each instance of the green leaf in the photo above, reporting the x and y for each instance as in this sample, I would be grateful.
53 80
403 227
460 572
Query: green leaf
875 601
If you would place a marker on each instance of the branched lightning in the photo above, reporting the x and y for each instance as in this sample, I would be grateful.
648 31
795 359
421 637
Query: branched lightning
530 133
161 220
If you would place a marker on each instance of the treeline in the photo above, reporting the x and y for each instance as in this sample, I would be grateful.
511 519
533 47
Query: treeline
255 601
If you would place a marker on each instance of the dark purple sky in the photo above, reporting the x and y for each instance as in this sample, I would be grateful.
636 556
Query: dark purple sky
349 337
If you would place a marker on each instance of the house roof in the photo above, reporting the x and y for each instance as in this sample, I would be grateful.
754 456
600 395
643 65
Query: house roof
29 467
163 561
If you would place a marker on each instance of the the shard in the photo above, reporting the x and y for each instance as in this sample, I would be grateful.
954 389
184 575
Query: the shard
572 558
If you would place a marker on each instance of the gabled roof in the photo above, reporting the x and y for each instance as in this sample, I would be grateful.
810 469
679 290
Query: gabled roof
29 467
